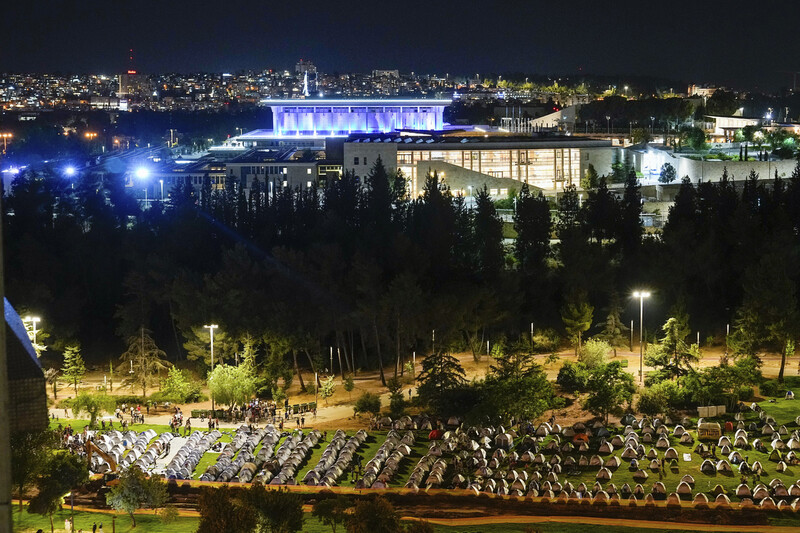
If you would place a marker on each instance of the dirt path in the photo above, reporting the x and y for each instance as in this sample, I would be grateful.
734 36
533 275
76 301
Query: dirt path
338 411
523 519
593 521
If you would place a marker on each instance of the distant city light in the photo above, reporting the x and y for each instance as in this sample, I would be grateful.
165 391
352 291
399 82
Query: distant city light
142 173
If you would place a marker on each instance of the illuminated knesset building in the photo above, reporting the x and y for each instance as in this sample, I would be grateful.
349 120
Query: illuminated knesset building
332 118
306 123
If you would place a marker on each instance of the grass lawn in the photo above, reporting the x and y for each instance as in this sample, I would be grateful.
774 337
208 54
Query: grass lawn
78 425
145 523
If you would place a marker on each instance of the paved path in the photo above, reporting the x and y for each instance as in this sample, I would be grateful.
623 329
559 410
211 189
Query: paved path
174 445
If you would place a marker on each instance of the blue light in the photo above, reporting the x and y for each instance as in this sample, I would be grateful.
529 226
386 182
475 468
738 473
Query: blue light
69 171
142 173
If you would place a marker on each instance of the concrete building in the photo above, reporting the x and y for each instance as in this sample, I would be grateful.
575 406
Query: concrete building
467 162
724 128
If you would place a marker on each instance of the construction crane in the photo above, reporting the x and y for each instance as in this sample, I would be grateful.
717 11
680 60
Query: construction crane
91 448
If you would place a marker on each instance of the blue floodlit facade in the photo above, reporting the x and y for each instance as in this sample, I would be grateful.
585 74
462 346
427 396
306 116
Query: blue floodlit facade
339 118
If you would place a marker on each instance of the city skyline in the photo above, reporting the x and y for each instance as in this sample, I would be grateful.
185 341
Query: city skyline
436 38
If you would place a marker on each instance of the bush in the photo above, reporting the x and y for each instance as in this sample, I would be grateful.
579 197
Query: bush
572 377
545 341
652 401
128 400
397 404
745 393
674 395
368 403
66 403
594 353
311 388
769 388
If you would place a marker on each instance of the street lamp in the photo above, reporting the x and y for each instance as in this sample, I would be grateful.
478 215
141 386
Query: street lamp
33 320
608 122
652 122
142 173
162 190
641 295
6 137
211 329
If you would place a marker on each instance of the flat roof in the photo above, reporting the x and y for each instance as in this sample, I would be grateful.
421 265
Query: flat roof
457 142
322 102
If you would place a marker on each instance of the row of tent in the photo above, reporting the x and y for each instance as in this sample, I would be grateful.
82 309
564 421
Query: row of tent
335 459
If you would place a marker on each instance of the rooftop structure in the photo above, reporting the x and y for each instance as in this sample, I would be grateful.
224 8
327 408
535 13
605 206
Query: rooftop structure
343 117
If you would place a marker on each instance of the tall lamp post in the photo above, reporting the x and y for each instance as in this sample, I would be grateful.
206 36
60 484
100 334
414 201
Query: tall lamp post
211 329
6 137
641 295
33 320
162 190
608 123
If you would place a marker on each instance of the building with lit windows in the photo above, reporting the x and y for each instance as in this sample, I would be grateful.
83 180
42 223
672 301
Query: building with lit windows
466 162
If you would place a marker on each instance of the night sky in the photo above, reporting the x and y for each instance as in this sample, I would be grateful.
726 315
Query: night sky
734 43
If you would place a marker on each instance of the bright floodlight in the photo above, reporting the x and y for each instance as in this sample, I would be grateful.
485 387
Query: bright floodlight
142 173
641 294
69 171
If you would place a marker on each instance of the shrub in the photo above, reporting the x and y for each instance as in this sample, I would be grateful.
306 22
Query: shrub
311 388
652 401
572 377
674 395
397 404
368 403
769 388
128 400
594 353
348 383
745 393
545 341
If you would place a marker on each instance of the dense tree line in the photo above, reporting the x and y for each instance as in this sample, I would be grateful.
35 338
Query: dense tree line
360 275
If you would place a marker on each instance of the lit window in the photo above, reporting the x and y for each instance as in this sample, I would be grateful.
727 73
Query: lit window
503 192
308 184
308 171
493 192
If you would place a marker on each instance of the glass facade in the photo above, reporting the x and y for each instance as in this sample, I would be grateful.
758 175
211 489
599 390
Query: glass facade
546 168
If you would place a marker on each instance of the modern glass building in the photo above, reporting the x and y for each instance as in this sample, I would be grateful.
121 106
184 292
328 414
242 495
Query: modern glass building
469 162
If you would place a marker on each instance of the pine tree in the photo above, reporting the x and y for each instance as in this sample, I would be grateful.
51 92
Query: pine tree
488 236
534 227
568 212
630 230
577 316
144 359
74 368
614 331
206 194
